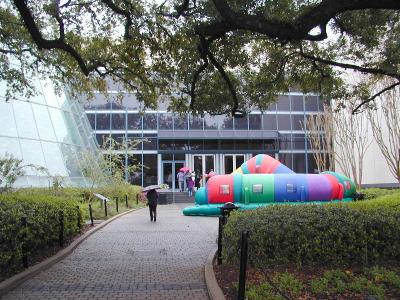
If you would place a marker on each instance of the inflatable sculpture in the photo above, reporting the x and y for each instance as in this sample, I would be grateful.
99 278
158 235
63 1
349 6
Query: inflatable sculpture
263 181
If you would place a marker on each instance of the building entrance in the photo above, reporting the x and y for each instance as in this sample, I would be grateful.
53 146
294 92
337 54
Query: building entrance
169 171
232 162
202 164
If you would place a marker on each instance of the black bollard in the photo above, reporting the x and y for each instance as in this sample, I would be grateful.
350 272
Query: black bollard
79 217
137 199
126 201
24 242
91 214
220 231
61 233
116 203
243 265
105 208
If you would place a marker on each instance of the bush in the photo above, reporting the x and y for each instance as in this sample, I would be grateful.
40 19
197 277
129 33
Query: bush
360 233
373 193
42 230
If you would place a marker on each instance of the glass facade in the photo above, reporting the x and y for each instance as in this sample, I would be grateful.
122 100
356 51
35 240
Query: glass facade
217 140
46 130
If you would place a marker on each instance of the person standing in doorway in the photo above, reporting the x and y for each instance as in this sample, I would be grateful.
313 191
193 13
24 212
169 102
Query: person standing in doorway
152 200
197 180
181 179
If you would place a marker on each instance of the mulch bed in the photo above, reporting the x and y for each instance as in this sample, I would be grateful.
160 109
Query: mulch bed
228 277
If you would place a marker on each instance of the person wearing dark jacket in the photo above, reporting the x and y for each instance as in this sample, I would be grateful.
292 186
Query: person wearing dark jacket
152 199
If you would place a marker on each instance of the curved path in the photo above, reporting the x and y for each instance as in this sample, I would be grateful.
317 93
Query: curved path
132 258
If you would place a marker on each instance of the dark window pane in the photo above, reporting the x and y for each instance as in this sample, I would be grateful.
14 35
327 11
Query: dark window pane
254 122
298 143
297 103
286 159
299 162
149 169
283 103
117 105
227 144
269 145
312 166
272 107
150 144
196 144
228 163
321 104
241 144
166 144
101 139
256 145
135 177
92 120
165 121
195 122
101 101
269 122
297 122
134 122
311 103
178 156
283 122
135 140
149 121
118 121
285 142
181 145
180 122
103 121
118 138
210 144
241 123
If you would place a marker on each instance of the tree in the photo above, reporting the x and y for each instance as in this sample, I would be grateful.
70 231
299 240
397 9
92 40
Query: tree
385 123
320 133
337 137
217 56
11 168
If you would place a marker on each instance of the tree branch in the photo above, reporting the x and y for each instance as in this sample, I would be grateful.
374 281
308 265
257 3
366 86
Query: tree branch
120 11
42 43
388 88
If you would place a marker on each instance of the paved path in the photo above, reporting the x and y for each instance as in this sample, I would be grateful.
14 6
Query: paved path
132 258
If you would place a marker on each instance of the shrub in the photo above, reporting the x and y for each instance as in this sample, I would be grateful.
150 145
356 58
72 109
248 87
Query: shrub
373 193
360 233
42 230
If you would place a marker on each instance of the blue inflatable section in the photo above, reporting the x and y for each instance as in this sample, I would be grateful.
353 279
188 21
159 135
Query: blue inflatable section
291 188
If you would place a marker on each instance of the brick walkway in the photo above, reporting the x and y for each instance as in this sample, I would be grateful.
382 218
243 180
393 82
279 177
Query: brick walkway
132 258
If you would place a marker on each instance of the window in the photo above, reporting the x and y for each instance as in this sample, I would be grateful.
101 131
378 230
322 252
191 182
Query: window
149 121
299 162
241 123
298 122
103 122
224 189
257 188
134 122
165 121
92 120
254 122
283 103
269 122
196 122
118 121
284 122
291 188
180 122
311 103
297 103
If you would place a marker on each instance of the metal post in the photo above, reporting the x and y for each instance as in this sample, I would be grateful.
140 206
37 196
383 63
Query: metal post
105 208
79 217
220 230
61 233
116 203
91 214
24 242
243 265
137 199
126 200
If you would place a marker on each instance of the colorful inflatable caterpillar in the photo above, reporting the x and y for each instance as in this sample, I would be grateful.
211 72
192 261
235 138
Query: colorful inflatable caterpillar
262 181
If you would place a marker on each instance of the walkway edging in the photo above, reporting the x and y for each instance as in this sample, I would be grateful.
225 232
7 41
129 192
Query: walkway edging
12 282
214 291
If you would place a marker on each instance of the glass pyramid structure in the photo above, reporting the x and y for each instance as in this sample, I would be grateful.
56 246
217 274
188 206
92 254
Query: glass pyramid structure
47 130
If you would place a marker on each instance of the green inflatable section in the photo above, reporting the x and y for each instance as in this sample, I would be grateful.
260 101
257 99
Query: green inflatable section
264 194
214 209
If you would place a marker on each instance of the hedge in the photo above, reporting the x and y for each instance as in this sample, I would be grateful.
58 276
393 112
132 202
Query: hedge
361 233
42 230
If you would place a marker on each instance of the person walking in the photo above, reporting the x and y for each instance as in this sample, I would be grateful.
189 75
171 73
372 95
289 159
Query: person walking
190 185
181 179
152 200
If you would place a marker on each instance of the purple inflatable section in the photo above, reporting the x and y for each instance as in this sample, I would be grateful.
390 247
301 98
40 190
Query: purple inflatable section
319 187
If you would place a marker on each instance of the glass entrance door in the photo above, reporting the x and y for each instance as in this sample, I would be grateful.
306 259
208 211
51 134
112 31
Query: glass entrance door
202 165
232 162
169 171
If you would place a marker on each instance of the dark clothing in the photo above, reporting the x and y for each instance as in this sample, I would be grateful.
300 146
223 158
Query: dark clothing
153 212
152 198
197 181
